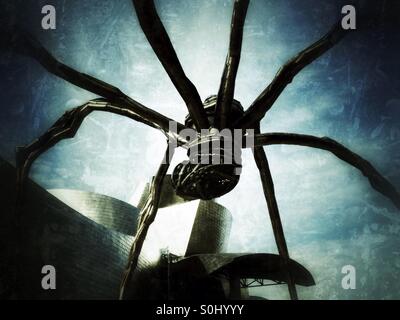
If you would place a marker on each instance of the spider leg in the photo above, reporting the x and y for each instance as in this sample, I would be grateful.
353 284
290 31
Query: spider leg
28 45
377 181
273 210
227 86
66 127
147 216
159 40
286 74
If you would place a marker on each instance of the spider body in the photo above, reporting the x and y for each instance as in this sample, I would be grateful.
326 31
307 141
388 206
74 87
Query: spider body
209 105
214 164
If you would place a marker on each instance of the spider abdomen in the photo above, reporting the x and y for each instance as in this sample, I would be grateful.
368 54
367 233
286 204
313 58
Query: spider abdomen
204 181
213 168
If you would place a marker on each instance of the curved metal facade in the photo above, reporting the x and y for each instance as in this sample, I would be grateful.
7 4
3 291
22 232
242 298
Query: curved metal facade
107 211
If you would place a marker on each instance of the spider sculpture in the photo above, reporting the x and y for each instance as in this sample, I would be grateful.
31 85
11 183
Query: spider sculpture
218 112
